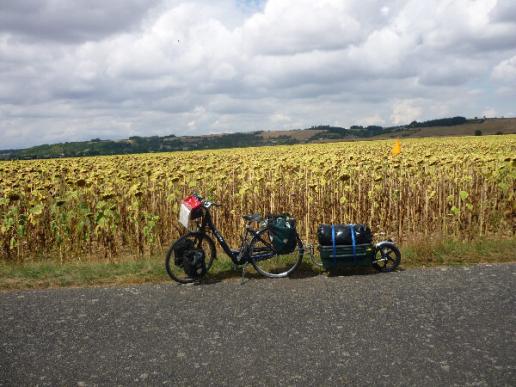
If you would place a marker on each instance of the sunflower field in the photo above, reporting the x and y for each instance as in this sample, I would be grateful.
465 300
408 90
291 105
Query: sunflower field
114 206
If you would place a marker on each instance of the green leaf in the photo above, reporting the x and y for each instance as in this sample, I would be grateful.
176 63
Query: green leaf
455 211
463 195
20 230
37 209
504 187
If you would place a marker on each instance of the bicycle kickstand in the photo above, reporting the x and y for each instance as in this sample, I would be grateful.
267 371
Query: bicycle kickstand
244 267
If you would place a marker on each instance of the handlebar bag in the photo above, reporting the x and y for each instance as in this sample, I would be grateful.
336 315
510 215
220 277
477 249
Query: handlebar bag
191 208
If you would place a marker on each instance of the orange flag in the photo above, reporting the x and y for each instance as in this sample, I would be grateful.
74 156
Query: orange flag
396 149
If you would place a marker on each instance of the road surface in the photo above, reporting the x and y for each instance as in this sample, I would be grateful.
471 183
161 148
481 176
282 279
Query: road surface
439 326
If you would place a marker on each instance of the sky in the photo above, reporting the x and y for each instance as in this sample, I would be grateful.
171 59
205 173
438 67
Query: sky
73 70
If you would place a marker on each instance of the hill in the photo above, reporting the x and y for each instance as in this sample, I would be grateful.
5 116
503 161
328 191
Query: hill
454 126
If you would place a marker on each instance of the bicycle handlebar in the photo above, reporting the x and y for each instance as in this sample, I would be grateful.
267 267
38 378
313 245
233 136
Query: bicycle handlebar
205 202
208 204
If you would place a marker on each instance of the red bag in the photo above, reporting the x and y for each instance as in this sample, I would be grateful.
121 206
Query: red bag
192 202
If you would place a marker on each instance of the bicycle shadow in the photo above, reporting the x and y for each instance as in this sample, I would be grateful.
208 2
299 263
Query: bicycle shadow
305 270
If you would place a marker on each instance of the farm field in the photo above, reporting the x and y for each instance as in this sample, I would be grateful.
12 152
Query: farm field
95 208
490 126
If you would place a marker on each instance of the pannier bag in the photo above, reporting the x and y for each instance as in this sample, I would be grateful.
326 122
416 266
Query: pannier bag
194 263
343 234
282 230
192 260
180 248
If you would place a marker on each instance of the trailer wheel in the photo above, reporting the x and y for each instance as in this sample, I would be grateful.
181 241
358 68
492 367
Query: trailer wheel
387 257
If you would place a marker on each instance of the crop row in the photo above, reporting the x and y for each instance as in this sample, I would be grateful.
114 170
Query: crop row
86 208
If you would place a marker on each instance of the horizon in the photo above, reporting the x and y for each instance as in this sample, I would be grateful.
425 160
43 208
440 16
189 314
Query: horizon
257 131
80 70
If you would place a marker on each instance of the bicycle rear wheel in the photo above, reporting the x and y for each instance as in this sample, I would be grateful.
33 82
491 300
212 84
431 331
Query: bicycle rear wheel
194 246
268 262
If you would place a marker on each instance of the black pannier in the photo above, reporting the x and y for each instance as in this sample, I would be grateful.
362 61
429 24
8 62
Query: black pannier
343 236
180 248
282 230
194 263
192 260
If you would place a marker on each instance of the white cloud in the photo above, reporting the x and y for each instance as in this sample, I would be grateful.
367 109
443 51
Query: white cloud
490 112
405 111
374 119
286 28
172 66
505 71
71 21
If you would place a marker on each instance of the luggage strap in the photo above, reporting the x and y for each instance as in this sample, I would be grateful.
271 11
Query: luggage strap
334 247
353 242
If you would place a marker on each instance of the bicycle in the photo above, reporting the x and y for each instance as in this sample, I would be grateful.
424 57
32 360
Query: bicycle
192 255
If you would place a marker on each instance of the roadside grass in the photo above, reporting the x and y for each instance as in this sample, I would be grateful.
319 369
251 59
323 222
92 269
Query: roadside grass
49 273
427 253
54 274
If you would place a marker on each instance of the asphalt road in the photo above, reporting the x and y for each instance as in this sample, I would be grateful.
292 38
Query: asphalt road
415 327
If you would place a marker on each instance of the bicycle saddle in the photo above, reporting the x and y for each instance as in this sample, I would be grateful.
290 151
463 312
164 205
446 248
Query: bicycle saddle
252 217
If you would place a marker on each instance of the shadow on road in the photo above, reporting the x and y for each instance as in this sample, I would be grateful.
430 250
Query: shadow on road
305 270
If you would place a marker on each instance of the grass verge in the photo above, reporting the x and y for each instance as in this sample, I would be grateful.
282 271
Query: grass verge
54 274
450 252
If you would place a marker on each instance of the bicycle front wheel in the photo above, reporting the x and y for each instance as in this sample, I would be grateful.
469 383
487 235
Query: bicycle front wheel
198 248
268 262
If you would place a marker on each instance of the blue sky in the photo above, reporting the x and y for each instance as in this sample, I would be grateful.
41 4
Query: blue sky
76 70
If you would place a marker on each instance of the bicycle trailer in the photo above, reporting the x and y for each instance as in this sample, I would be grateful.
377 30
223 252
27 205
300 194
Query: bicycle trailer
345 245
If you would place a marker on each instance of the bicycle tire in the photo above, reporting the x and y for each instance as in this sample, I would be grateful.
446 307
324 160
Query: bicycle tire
390 257
268 262
175 271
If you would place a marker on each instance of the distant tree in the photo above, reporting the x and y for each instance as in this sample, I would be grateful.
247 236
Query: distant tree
440 122
478 132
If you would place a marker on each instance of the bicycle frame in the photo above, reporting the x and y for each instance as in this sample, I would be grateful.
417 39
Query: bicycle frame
238 257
